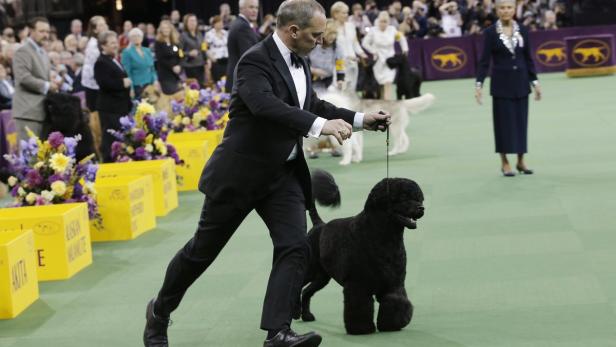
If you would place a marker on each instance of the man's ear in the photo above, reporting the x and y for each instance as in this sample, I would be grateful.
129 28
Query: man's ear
294 30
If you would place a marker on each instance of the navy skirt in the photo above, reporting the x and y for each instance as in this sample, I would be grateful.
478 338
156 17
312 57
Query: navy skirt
510 124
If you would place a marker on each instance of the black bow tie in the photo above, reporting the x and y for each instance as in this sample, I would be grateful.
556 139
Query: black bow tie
296 60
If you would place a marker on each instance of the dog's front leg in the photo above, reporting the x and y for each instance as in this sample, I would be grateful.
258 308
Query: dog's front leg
358 310
395 310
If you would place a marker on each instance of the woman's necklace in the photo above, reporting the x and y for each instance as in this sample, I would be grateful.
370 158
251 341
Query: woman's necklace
511 42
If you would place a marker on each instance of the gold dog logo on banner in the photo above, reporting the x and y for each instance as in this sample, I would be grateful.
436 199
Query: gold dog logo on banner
591 53
552 53
448 59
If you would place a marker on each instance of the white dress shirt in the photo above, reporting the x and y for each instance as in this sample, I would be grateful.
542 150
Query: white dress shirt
299 80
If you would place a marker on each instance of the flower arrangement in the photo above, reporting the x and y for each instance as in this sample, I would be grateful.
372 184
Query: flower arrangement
46 173
143 136
205 109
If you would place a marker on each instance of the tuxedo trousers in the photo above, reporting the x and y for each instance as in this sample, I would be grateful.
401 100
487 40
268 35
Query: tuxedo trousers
283 210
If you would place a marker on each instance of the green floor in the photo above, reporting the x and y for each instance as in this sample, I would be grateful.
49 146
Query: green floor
527 261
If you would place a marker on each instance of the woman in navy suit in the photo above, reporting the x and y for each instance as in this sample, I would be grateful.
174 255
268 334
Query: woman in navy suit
513 74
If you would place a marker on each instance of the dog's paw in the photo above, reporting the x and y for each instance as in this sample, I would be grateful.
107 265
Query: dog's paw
308 317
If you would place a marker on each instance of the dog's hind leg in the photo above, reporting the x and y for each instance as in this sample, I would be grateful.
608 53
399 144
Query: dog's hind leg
395 311
320 281
358 310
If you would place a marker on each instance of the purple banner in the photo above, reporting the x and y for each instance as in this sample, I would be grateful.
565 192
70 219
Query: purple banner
590 52
448 58
548 49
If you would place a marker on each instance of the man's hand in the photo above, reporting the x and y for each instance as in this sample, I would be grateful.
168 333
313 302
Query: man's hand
126 82
478 95
176 69
338 128
537 92
377 121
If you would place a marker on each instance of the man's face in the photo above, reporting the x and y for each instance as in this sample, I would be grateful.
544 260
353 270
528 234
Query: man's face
250 10
40 33
9 34
308 38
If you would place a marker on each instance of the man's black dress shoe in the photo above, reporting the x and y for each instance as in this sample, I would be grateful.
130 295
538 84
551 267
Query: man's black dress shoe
289 338
155 333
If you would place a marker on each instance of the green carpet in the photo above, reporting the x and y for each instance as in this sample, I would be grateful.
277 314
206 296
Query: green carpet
524 261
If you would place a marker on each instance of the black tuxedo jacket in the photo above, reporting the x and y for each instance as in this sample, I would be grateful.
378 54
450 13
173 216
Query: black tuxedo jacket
112 96
241 38
265 123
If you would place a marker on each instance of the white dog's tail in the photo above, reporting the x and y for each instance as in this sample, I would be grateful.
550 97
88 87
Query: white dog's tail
420 103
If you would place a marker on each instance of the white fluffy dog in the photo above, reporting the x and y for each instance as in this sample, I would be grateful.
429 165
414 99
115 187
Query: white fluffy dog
352 149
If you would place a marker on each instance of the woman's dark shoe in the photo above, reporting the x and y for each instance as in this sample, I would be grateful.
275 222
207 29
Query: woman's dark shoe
508 173
524 170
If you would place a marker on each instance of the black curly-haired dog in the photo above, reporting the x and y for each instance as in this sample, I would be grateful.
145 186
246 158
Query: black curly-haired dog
365 254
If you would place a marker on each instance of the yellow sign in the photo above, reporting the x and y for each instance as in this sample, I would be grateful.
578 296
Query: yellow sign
552 53
195 154
61 235
213 137
18 280
448 58
127 206
591 53
163 177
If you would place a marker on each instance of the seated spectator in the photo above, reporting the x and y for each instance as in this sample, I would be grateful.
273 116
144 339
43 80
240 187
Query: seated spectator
549 20
7 88
71 44
8 34
451 19
77 61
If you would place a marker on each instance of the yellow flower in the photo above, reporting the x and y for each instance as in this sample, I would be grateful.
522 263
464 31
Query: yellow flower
185 120
12 181
130 150
31 198
44 150
47 195
149 148
58 187
177 120
161 146
149 139
59 162
21 191
191 97
223 120
145 108
39 165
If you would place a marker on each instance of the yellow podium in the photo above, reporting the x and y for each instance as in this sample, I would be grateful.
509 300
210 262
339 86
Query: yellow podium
61 237
213 137
18 280
195 154
126 204
163 177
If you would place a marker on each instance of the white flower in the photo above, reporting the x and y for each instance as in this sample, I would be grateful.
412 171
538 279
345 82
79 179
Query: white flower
149 148
21 191
47 195
90 188
12 181
31 198
58 187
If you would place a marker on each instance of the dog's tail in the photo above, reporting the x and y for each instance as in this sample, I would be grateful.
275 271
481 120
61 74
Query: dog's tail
324 191
420 103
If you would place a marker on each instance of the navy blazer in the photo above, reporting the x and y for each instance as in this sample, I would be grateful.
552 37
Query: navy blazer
265 123
512 75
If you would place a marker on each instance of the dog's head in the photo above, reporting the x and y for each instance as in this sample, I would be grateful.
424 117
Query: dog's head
150 94
400 199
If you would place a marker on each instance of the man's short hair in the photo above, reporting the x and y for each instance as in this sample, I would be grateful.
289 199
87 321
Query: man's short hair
32 22
105 36
298 12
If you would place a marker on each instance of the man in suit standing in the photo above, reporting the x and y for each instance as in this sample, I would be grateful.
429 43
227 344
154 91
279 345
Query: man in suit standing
260 166
242 35
31 69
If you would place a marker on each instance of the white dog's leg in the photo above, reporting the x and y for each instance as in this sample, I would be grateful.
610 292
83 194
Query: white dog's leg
403 145
347 152
357 141
395 129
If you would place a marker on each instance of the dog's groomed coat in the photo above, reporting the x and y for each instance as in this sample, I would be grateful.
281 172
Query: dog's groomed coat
366 255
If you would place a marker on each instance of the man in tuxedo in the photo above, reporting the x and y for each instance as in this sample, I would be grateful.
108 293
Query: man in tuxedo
260 166
242 35
31 69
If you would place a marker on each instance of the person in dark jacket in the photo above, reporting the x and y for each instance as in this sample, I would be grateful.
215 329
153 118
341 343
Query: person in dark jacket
513 73
242 35
194 49
169 54
113 101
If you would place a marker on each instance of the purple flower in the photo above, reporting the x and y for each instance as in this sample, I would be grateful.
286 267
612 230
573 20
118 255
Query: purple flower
71 144
116 148
194 85
176 107
77 191
55 177
90 174
14 192
127 122
34 178
140 153
56 139
140 135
